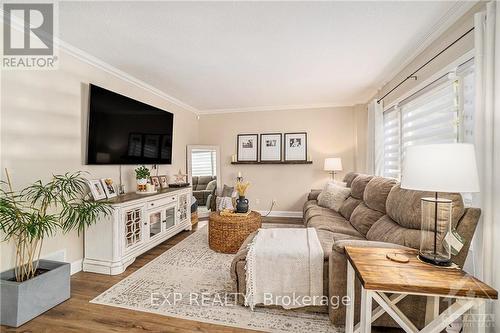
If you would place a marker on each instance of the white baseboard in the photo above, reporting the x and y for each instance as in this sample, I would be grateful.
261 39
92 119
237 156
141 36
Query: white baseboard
283 213
76 266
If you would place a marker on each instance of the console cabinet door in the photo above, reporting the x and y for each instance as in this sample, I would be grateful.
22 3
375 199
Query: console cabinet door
133 218
154 223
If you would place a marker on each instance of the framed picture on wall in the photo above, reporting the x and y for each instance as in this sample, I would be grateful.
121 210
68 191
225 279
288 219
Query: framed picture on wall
296 146
96 189
271 147
247 147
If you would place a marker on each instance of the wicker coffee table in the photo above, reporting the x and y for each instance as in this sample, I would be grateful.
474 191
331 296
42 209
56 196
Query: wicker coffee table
227 233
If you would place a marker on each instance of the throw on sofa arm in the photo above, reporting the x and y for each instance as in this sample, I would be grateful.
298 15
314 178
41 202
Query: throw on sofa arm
413 307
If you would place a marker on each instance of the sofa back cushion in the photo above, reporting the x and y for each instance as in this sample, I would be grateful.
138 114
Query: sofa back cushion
386 230
376 192
358 186
201 182
349 177
348 207
363 217
404 207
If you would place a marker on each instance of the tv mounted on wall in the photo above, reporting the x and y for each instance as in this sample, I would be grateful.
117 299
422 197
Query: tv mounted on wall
122 130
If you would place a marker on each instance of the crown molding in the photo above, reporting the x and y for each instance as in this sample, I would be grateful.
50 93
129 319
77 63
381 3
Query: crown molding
98 63
447 20
276 108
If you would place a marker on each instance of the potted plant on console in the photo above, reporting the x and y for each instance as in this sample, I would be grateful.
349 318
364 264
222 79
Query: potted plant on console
29 216
142 174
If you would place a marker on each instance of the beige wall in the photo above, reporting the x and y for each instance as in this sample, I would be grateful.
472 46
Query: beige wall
466 44
42 131
331 132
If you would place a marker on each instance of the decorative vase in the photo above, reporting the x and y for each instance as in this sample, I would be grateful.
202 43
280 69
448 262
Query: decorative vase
241 205
141 184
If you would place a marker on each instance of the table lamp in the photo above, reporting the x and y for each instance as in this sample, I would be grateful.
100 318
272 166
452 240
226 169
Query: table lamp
439 168
333 164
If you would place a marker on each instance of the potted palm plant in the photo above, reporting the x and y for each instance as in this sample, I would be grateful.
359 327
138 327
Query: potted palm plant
29 216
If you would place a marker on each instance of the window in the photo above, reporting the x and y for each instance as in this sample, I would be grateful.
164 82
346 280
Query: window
203 163
442 112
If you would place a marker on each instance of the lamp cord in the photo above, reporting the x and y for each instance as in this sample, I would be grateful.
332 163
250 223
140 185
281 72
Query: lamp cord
270 209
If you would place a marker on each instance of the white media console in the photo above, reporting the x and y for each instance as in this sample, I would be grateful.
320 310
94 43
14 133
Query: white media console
138 223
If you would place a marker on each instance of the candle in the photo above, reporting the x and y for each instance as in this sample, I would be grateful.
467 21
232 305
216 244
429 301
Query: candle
150 187
239 174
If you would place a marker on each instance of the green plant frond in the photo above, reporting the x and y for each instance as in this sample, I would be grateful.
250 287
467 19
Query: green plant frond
82 214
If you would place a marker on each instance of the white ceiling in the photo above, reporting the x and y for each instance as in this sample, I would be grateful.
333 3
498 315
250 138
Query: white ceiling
255 55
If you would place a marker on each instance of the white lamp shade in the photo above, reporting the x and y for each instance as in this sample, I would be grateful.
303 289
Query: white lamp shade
440 168
333 164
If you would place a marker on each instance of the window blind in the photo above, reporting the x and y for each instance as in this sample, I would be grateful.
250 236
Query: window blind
442 112
392 144
203 163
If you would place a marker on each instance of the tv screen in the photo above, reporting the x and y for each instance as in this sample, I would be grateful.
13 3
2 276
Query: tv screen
125 131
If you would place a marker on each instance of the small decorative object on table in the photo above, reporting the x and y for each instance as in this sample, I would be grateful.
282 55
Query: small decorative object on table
96 189
142 174
242 202
155 180
163 182
437 168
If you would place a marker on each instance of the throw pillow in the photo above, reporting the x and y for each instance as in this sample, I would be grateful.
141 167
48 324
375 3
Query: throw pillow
333 196
227 191
224 203
212 185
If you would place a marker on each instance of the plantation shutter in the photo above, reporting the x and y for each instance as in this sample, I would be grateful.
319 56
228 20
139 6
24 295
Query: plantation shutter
203 163
392 165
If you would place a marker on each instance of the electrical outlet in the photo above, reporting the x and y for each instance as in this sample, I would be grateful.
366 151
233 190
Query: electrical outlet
257 201
275 202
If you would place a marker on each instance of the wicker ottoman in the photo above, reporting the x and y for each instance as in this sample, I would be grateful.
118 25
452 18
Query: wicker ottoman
227 233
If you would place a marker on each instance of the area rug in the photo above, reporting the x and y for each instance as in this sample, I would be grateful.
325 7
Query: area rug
190 281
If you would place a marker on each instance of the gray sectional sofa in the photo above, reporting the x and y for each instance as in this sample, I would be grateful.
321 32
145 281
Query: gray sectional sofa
378 213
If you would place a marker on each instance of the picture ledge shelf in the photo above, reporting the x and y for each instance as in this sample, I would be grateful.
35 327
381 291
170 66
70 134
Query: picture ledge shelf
273 162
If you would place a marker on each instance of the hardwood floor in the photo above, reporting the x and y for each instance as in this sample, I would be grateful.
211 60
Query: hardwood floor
78 315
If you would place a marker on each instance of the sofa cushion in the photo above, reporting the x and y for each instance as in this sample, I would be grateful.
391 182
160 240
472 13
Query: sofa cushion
309 204
348 207
376 192
335 224
403 206
386 230
358 186
333 196
363 218
348 178
318 211
212 185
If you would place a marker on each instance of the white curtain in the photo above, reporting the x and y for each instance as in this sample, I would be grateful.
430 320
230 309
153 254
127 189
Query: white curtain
487 141
375 139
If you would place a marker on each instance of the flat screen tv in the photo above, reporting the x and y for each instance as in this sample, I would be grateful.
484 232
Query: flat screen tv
122 130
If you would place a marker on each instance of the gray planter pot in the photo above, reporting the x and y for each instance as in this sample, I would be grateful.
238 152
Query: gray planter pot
23 301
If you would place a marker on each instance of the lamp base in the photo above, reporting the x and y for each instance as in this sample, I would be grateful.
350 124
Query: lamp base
435 259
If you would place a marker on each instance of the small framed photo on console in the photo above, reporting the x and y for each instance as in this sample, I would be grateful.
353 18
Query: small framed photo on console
155 180
247 147
270 147
109 189
296 146
163 181
96 189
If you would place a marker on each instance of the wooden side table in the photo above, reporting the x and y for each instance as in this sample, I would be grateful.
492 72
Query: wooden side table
227 233
379 275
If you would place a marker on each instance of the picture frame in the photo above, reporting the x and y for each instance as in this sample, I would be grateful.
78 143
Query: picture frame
155 180
247 147
109 189
271 147
295 147
163 181
96 189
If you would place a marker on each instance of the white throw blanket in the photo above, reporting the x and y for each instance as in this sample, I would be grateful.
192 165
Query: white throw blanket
284 267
